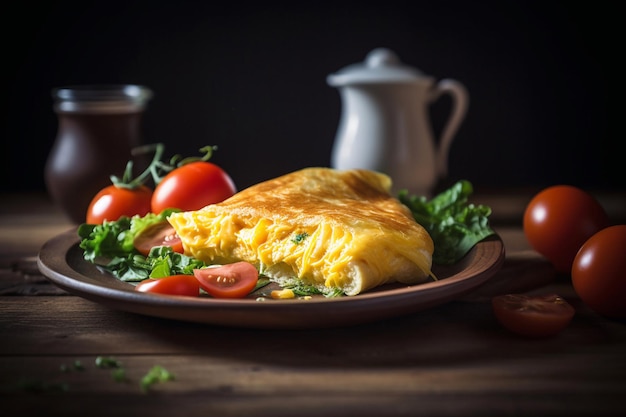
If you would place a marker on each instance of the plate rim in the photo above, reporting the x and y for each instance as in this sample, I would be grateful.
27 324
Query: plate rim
52 261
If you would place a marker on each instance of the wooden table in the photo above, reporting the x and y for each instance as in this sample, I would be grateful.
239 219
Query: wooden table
451 360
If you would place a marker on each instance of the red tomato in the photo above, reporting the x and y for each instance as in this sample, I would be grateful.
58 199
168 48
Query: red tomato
533 316
113 202
559 219
158 234
191 187
599 272
172 285
234 280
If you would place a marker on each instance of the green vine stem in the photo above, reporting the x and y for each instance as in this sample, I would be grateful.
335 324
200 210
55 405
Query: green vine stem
157 169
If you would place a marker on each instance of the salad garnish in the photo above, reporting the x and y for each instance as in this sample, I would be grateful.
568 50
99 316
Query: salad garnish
454 224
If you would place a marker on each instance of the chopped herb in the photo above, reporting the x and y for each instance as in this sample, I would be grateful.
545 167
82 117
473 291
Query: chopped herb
155 375
107 362
334 292
299 237
301 289
261 282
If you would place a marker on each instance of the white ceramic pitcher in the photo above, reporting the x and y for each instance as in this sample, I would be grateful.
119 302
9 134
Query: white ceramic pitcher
385 124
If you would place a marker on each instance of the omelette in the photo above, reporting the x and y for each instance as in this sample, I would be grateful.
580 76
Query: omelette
321 227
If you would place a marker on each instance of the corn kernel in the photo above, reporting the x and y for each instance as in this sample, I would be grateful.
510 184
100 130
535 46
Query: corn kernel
283 294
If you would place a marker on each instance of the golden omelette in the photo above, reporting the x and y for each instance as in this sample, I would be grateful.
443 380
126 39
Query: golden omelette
318 226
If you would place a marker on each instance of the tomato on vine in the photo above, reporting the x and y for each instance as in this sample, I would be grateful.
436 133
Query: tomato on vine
113 202
192 184
185 184
125 197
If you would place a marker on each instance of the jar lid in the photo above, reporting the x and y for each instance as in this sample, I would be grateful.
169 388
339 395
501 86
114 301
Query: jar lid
101 98
381 65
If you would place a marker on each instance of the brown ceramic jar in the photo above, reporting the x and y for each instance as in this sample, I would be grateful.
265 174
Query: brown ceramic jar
98 127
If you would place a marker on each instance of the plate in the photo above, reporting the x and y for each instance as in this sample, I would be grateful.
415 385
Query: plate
61 261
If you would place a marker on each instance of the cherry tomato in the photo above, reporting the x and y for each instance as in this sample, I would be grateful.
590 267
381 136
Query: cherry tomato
158 234
171 285
533 316
559 219
599 272
191 187
234 280
113 202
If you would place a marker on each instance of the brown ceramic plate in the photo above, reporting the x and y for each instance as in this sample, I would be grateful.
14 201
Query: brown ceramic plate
61 261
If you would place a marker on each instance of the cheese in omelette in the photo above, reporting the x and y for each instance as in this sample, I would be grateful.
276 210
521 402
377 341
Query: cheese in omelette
322 227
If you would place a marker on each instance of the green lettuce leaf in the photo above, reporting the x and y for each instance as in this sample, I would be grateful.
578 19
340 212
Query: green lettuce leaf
454 224
110 246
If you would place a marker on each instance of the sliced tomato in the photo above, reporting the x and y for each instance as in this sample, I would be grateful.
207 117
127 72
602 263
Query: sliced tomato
533 316
234 280
158 234
171 285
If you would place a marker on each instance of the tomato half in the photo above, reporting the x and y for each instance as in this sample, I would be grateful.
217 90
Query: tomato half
158 234
533 316
599 272
191 187
559 219
113 202
234 280
172 285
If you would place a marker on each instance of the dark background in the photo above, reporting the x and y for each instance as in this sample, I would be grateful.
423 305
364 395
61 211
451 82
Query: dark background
545 106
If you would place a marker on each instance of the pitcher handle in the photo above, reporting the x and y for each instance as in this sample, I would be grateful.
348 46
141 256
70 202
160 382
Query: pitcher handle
460 102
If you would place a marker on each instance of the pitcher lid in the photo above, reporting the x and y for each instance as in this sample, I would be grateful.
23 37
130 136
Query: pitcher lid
381 65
